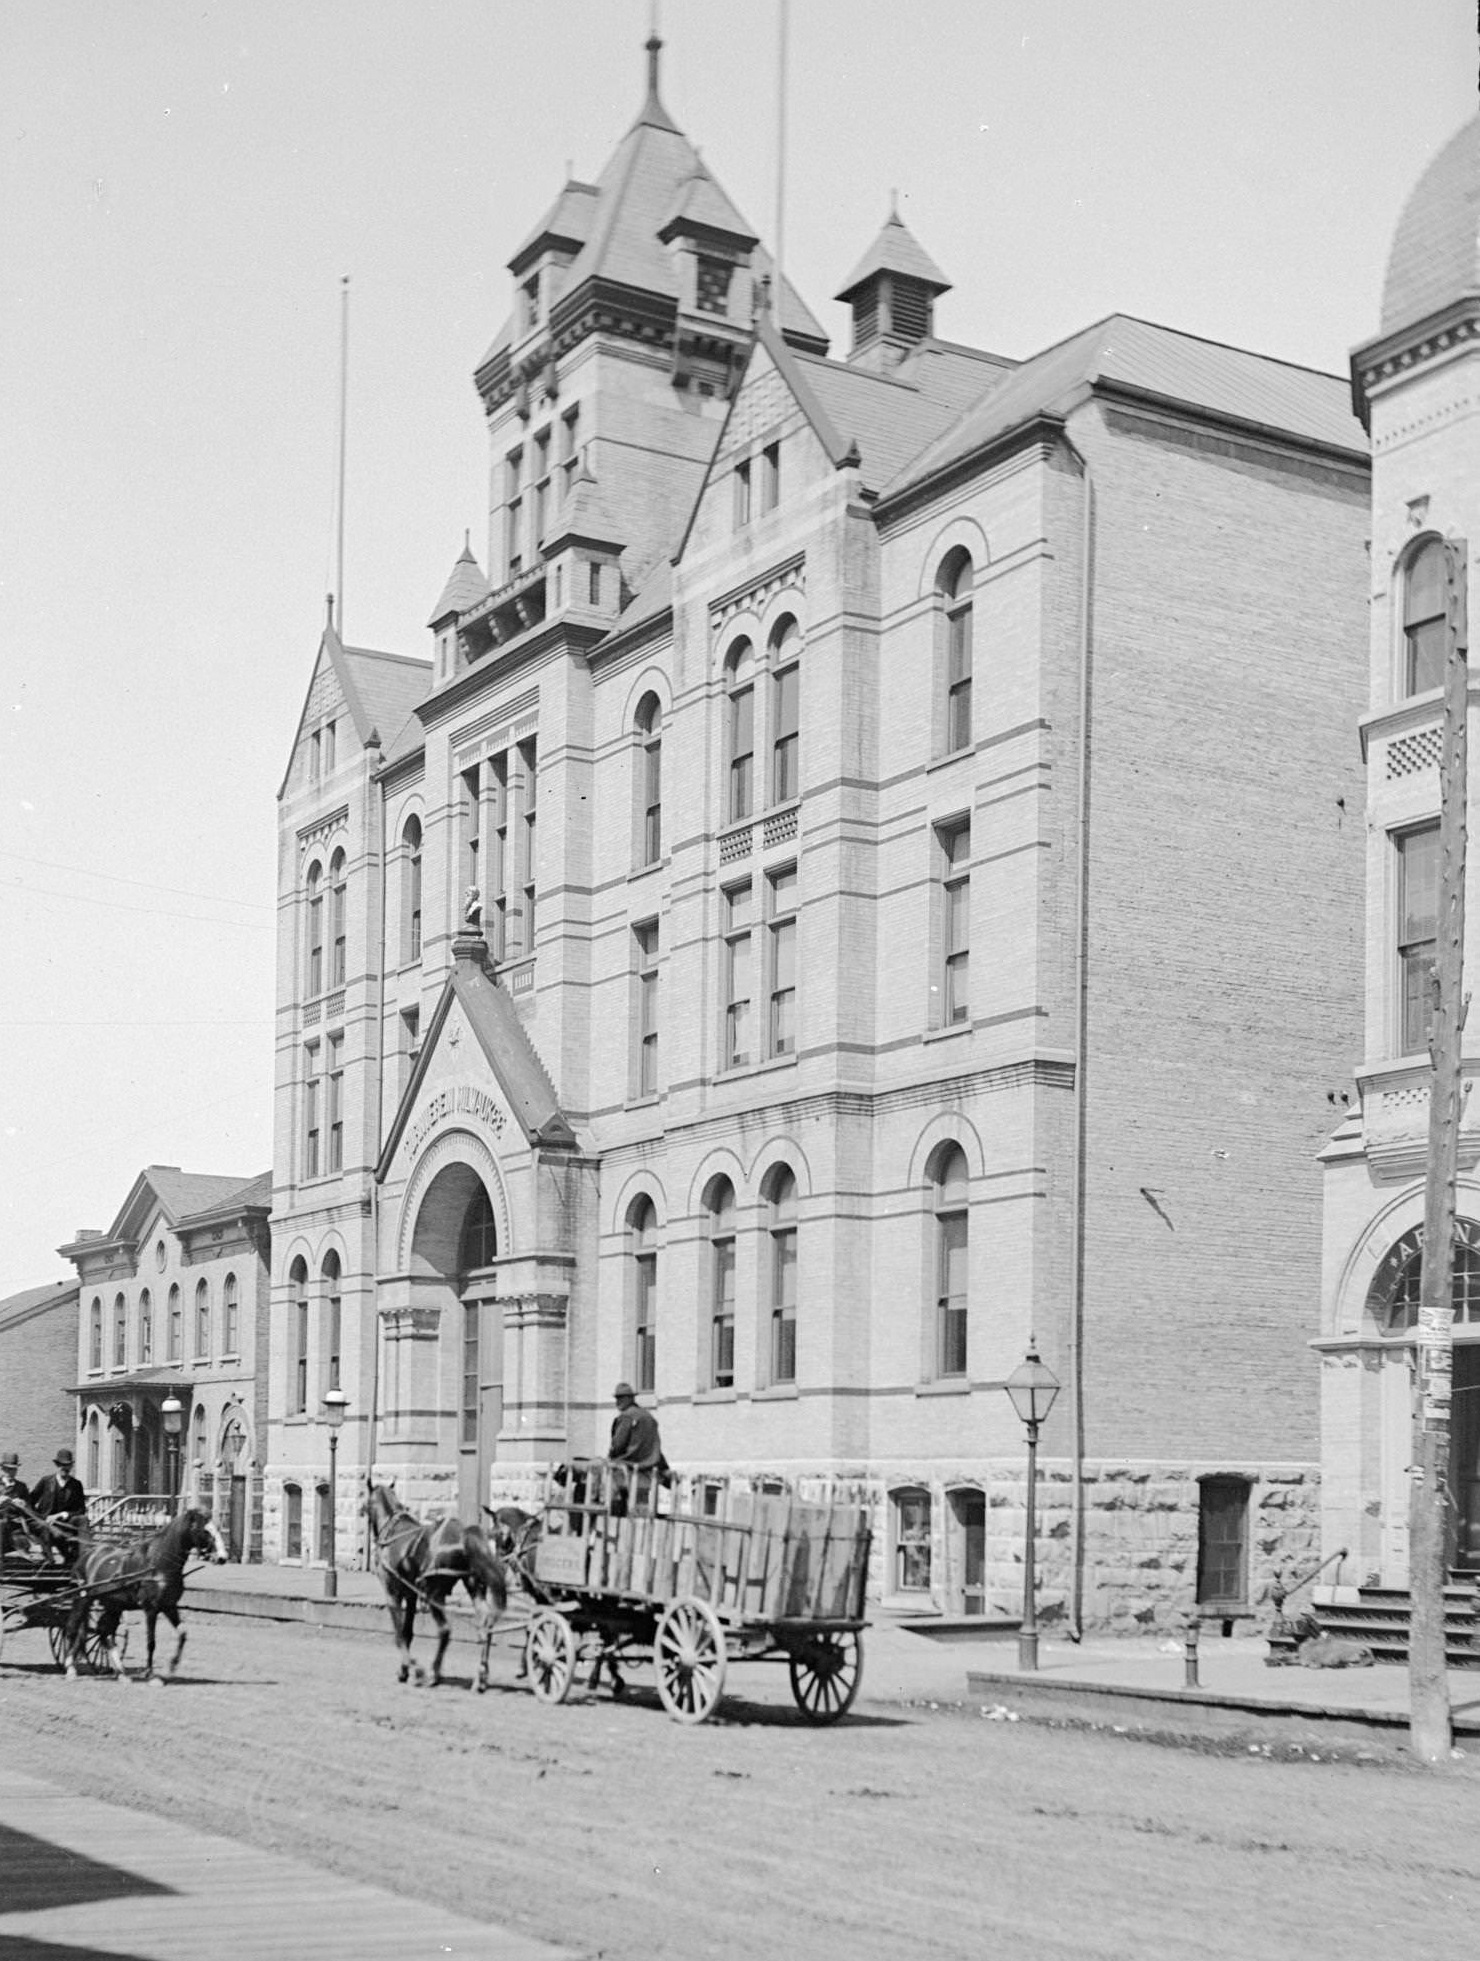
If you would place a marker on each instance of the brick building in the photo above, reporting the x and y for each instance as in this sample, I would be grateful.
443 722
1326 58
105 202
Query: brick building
1417 386
840 899
174 1304
38 1363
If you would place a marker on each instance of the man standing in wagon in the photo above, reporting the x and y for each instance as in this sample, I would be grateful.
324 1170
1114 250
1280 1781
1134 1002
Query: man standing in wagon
635 1444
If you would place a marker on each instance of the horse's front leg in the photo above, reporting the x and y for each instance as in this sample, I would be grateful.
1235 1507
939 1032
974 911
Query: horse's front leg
108 1640
403 1623
172 1615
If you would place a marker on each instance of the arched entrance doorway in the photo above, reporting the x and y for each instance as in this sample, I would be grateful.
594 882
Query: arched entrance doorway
1394 1299
455 1242
232 1485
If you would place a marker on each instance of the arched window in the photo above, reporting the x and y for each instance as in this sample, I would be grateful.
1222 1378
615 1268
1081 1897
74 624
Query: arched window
95 1336
950 1202
175 1332
1464 1294
479 1233
94 1448
642 1247
721 1210
231 1331
146 1326
411 891
739 731
333 1318
120 1331
292 1521
198 1439
298 1338
785 649
782 1226
1423 619
650 780
314 974
337 910
956 580
202 1319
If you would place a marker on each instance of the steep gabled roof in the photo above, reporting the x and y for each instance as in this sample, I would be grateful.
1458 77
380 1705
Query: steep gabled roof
380 690
567 223
1138 360
895 249
507 1050
465 587
585 517
889 419
387 689
703 207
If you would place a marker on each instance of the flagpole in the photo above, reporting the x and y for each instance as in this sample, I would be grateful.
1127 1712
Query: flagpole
343 407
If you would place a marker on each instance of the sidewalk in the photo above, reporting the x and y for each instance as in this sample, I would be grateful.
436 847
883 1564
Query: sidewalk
96 1879
1129 1684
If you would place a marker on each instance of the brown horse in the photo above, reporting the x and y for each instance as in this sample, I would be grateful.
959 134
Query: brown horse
421 1562
146 1577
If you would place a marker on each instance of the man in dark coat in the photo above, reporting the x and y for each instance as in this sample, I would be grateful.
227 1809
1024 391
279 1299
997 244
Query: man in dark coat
15 1501
635 1444
62 1502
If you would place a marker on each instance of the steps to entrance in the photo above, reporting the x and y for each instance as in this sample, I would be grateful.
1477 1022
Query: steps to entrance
1379 1616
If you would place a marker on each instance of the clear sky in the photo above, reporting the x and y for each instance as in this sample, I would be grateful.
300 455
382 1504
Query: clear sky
184 185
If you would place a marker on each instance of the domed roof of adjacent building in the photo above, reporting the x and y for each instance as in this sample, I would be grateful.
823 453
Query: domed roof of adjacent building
1436 249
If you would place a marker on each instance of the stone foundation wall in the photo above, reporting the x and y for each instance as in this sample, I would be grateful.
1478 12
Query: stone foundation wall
1141 1528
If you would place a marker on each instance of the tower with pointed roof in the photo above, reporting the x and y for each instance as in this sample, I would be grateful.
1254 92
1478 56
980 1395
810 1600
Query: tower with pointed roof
768 953
1416 384
892 292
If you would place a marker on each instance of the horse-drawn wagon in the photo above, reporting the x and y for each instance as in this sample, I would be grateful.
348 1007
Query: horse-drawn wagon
624 1575
35 1593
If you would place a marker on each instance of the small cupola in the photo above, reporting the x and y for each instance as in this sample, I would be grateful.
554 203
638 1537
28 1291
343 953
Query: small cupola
892 292
465 588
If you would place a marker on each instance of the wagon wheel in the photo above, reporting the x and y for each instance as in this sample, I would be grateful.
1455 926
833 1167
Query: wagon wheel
550 1655
826 1668
91 1652
689 1655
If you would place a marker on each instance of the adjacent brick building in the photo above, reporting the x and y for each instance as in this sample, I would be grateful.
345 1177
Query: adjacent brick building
867 879
38 1363
1417 385
174 1308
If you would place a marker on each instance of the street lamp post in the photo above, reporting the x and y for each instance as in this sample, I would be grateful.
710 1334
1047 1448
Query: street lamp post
1031 1389
173 1411
335 1405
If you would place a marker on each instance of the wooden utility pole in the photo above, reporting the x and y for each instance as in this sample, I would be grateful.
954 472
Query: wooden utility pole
1428 1513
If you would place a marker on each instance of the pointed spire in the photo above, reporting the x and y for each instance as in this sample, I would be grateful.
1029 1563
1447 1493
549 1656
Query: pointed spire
465 586
652 112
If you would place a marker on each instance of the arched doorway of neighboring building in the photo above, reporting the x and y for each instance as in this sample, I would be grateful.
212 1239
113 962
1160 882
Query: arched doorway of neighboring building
455 1243
1393 1300
231 1485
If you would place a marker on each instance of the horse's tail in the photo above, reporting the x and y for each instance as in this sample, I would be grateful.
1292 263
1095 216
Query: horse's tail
485 1569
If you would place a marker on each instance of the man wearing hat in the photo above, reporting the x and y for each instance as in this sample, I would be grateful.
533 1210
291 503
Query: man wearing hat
15 1500
635 1442
62 1502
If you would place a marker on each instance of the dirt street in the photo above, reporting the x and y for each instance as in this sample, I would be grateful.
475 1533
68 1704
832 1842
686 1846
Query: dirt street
608 1827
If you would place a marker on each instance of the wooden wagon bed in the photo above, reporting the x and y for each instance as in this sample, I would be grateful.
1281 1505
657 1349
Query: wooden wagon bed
626 1574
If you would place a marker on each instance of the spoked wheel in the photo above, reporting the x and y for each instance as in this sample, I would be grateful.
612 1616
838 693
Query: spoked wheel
826 1668
550 1655
91 1653
689 1655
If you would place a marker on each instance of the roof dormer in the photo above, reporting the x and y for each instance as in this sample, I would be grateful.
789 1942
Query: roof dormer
892 292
